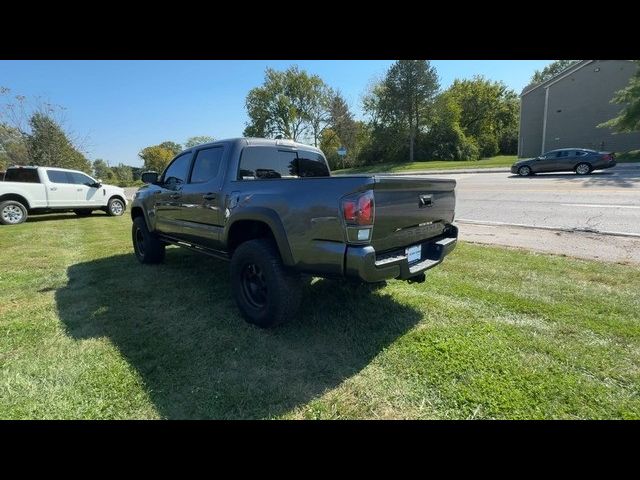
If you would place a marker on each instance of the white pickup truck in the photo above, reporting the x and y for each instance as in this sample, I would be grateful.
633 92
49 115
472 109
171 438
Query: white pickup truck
27 190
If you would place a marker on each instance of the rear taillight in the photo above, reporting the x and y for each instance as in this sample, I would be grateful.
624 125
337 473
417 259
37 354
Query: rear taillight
358 209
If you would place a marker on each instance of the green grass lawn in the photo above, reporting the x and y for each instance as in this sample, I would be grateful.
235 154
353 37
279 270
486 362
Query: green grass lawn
87 332
499 161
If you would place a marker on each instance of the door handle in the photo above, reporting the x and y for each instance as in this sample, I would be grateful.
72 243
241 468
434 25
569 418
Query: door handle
53 188
79 189
425 201
209 196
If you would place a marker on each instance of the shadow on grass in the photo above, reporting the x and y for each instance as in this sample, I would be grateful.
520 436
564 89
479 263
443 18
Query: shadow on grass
45 217
177 325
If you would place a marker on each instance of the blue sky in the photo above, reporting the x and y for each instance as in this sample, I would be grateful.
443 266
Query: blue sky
124 106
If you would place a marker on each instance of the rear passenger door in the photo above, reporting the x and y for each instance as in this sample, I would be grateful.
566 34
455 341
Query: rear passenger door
201 202
61 191
562 161
578 157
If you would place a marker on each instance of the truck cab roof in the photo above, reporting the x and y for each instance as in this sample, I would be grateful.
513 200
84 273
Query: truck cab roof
262 142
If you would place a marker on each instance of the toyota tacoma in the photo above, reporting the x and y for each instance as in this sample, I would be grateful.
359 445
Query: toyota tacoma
273 209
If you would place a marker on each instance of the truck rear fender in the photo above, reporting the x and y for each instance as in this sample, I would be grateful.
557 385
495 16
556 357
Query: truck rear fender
252 217
15 197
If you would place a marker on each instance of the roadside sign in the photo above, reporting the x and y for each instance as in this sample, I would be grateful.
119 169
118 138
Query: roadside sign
342 151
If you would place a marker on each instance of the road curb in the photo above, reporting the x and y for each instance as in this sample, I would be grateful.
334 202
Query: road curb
556 229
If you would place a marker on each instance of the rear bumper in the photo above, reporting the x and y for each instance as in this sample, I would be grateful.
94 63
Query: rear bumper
365 264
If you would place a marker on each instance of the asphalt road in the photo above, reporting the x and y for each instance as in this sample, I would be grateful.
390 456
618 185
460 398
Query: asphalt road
605 201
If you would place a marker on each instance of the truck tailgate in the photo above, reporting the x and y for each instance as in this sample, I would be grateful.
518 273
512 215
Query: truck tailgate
409 209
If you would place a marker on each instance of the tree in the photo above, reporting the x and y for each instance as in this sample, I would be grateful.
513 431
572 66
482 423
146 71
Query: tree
342 122
446 140
291 103
319 109
123 174
102 170
32 132
197 140
329 144
156 157
49 146
13 149
404 97
175 148
551 70
488 112
628 120
340 129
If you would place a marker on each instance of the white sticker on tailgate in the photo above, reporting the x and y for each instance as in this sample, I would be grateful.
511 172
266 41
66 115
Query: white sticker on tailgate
414 253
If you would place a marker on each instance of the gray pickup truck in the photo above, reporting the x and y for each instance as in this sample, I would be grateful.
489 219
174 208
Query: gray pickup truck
273 209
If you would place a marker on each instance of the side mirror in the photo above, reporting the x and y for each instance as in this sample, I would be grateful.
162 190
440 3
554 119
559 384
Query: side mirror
98 184
149 177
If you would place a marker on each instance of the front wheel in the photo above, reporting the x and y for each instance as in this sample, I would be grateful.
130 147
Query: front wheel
583 169
266 293
524 171
115 207
12 212
146 245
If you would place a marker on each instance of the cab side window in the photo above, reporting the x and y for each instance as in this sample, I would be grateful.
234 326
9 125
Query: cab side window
311 164
58 176
261 163
206 165
175 176
81 179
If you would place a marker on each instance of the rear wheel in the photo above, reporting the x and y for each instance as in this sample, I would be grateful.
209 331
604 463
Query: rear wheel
583 169
146 245
266 293
84 212
115 207
524 171
12 212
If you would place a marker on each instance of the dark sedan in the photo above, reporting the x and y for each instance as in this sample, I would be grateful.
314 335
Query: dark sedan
580 160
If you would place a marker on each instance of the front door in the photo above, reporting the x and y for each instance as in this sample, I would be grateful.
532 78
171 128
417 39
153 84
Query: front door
87 193
168 202
201 200
61 191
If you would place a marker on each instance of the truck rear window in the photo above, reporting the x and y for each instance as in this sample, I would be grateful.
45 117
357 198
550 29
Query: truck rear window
24 175
260 163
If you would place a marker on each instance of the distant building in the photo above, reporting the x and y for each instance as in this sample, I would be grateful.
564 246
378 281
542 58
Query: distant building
565 110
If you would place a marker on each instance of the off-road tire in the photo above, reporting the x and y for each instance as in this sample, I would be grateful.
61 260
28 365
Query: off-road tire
280 288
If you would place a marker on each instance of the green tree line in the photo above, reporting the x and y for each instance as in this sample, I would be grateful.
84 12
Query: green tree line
408 117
